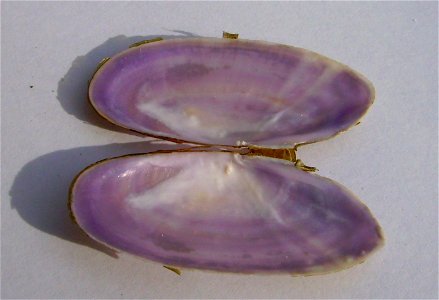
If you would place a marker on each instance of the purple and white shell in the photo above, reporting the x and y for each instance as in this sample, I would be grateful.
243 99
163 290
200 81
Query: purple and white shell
226 210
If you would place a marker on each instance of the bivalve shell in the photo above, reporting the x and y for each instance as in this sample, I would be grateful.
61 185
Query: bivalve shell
223 211
223 91
242 202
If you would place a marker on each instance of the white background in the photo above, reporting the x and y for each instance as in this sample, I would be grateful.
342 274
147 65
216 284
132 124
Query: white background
49 133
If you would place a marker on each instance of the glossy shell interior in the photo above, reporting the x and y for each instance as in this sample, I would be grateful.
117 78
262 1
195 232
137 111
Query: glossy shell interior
223 211
225 92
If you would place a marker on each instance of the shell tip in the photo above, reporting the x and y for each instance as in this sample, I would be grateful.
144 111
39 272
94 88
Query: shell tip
299 164
173 269
228 35
157 39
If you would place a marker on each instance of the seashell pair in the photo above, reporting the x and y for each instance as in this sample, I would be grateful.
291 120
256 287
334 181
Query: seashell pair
240 201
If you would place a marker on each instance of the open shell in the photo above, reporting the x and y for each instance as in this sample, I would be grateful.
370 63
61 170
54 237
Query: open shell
234 209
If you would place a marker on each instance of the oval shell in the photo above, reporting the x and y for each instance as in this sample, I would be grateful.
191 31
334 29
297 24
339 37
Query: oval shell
223 211
225 92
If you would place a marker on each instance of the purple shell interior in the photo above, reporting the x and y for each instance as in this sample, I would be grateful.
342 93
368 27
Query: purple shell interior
223 211
223 92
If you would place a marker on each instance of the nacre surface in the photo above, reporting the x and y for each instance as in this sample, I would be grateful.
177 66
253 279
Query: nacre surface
223 211
224 92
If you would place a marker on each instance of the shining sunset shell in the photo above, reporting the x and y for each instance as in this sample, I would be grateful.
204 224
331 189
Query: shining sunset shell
244 205
225 212
223 92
